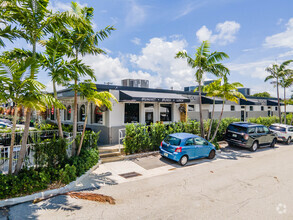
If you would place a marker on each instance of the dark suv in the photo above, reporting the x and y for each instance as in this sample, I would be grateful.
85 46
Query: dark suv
249 135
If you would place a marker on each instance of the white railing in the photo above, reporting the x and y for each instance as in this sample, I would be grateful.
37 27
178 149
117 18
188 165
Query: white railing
5 140
121 133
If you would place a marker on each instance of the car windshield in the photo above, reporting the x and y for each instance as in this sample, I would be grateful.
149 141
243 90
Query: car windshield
237 128
172 140
277 128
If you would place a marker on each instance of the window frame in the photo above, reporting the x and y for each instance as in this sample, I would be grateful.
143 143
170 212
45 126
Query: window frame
131 103
171 109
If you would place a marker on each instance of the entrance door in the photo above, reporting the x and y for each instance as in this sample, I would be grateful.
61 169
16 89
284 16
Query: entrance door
149 118
242 115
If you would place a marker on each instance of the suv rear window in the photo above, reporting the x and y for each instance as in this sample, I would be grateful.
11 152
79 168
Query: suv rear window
172 140
237 128
277 128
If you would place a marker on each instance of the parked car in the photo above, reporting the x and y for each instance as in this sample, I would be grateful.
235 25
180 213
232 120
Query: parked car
249 135
284 132
182 147
4 125
7 121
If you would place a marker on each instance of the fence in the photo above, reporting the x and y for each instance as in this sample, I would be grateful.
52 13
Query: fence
5 141
122 134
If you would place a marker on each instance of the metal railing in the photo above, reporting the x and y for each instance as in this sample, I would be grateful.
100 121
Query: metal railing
122 134
34 136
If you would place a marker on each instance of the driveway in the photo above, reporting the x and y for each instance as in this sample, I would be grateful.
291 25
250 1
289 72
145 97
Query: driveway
238 184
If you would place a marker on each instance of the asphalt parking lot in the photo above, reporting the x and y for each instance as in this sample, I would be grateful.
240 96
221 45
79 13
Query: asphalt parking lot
237 184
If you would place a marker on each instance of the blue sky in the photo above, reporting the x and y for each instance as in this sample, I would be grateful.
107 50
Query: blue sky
149 33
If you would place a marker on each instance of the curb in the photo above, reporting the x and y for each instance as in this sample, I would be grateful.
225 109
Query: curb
133 156
48 193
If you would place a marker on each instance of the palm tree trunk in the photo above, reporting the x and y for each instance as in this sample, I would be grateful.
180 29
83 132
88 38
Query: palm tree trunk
83 131
200 112
22 151
285 117
58 112
218 125
74 121
278 96
212 119
12 140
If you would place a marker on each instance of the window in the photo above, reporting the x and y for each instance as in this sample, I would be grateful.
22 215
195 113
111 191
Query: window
98 116
82 113
68 113
165 112
189 142
172 140
260 130
148 106
52 113
277 128
251 130
242 106
199 141
251 108
131 114
262 108
232 107
290 129
266 130
191 108
269 107
276 108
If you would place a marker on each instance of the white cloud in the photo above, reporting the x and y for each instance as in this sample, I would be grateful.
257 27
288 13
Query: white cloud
135 15
108 69
225 33
158 57
283 39
136 41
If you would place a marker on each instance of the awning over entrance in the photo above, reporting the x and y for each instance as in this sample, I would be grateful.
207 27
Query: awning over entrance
273 103
209 100
126 96
249 102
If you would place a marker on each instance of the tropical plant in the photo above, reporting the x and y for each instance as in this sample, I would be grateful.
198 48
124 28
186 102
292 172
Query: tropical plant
53 62
213 90
228 92
204 62
88 91
276 72
84 40
286 82
262 94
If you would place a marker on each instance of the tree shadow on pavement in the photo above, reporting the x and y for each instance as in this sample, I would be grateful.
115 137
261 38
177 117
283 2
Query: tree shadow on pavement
29 210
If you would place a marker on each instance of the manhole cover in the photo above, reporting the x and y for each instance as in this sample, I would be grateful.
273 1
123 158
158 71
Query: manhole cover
130 175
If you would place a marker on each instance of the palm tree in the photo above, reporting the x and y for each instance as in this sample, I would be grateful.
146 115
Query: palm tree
204 62
286 82
276 72
212 90
17 86
88 91
56 48
228 92
84 40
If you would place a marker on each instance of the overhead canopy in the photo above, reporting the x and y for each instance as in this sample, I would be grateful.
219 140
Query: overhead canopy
249 102
209 100
273 102
126 96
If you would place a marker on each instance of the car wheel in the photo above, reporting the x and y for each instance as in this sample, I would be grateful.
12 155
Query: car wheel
273 144
212 154
183 160
288 141
254 146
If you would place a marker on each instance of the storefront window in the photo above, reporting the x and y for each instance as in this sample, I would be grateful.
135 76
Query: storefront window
68 113
165 112
82 113
98 116
52 113
131 114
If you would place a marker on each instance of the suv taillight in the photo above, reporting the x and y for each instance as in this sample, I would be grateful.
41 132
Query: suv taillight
178 149
246 136
162 144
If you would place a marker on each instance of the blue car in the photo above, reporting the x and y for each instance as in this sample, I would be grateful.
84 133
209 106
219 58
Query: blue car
182 147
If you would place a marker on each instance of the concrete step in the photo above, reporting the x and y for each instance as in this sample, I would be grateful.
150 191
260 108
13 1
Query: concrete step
105 150
110 154
112 159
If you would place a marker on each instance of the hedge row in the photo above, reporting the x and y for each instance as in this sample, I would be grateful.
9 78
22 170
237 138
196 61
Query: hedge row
53 168
142 138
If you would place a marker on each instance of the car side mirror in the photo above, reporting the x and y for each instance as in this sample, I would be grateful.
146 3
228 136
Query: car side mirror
206 143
